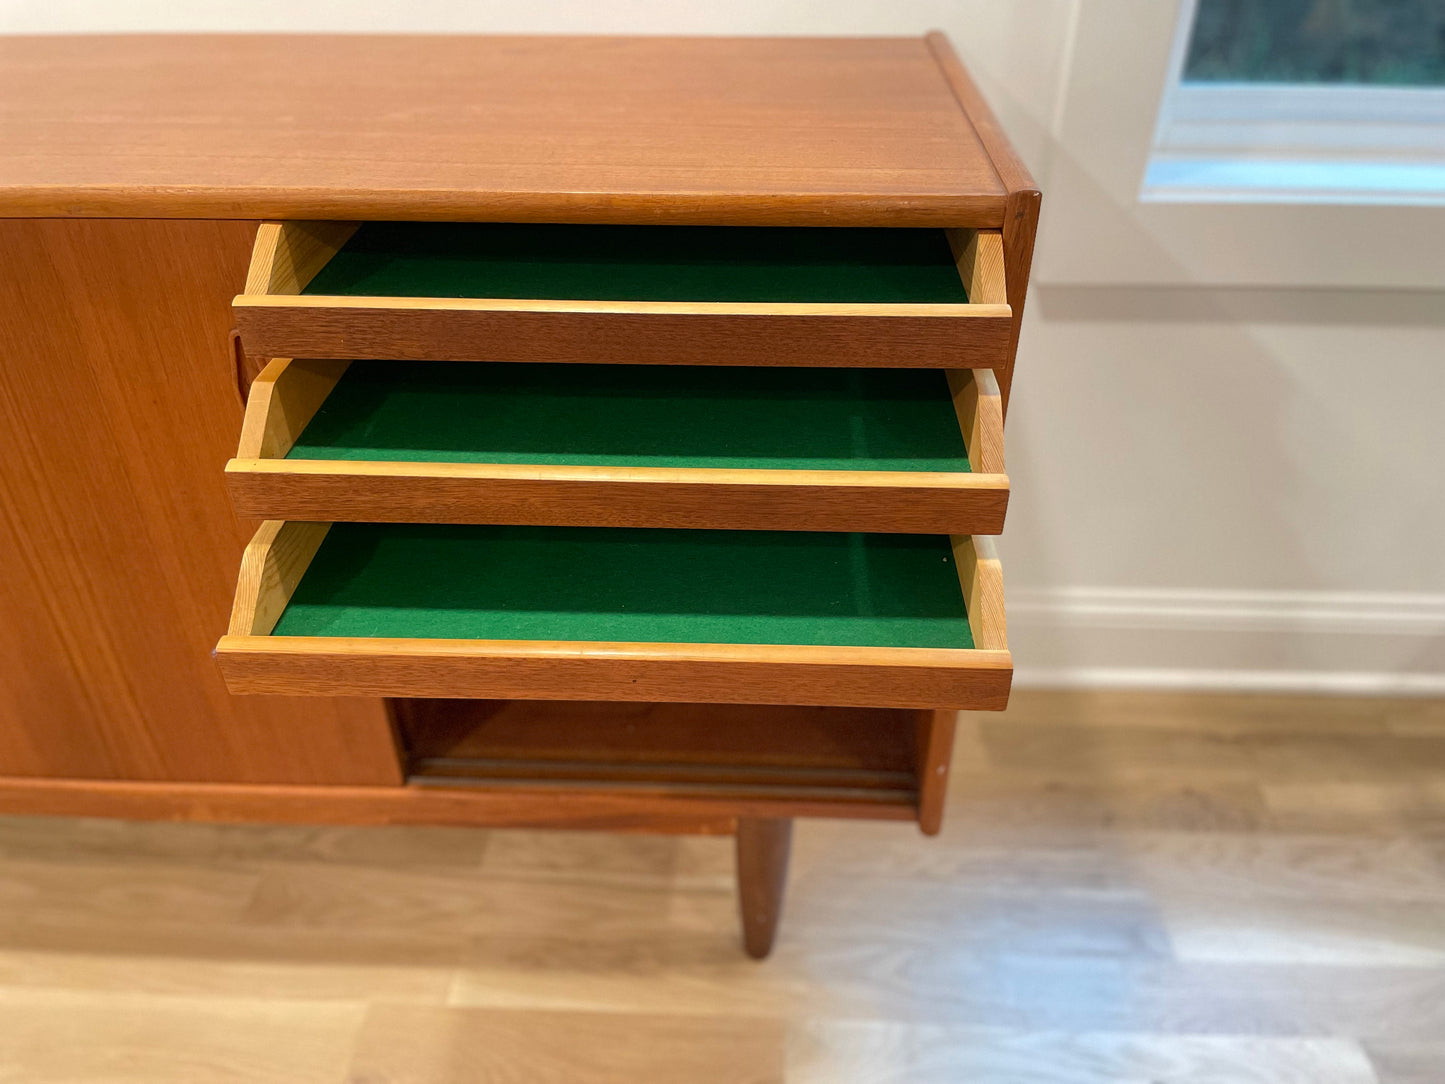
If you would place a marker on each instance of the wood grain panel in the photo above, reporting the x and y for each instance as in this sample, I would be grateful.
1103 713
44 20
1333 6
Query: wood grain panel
625 332
287 256
978 255
877 501
705 673
843 131
282 399
271 568
981 576
118 406
979 405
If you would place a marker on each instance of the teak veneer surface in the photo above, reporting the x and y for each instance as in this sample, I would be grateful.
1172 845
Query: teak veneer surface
727 131
118 406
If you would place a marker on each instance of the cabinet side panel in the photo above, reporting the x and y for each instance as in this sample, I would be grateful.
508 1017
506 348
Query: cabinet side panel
118 410
1021 209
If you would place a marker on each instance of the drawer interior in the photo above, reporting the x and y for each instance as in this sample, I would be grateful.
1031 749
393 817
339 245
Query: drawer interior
432 581
869 754
644 263
640 416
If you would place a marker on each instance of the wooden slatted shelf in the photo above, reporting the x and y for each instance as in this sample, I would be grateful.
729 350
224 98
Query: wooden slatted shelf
780 760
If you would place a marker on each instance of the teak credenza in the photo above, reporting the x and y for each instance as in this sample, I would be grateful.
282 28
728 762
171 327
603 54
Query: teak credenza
623 418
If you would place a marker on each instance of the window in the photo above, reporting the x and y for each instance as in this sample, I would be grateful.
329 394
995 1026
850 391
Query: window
1390 42
1304 101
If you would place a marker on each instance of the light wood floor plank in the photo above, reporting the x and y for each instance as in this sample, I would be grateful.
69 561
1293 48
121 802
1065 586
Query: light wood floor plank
1223 928
1357 867
866 1052
410 902
419 1045
88 1039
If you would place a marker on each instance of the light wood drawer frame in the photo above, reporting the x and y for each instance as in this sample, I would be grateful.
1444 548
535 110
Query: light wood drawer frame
253 661
284 398
276 320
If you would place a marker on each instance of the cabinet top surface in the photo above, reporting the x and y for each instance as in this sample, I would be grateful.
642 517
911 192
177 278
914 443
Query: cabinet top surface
852 131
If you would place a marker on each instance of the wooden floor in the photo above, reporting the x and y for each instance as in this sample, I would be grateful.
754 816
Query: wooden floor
1131 889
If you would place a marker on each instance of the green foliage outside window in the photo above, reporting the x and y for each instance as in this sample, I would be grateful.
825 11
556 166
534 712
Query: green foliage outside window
1392 42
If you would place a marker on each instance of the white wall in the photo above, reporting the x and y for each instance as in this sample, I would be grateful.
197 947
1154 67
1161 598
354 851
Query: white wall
1228 436
1213 485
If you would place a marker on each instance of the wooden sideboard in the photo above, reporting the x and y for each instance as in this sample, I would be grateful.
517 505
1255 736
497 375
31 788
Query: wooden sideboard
134 175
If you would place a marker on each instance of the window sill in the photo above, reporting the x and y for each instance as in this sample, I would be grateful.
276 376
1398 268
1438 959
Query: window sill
1172 178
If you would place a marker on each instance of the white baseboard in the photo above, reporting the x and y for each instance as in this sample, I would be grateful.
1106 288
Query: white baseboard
1385 643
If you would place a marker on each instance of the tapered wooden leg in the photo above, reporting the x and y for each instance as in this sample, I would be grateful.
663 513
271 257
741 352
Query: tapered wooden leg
935 750
763 847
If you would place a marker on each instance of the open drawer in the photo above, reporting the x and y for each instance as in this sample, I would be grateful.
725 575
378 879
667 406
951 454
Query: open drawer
492 612
702 295
895 450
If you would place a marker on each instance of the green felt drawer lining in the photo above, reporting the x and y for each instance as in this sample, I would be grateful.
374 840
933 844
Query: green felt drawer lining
642 586
644 263
639 416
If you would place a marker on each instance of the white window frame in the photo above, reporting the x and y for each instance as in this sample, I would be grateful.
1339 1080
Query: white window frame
1105 226
1294 143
